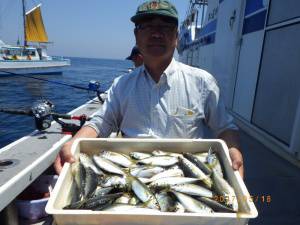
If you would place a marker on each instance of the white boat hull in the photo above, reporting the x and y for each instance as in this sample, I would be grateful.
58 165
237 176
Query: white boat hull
8 67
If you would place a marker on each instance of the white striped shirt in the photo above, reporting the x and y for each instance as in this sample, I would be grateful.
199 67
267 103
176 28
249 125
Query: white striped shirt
183 104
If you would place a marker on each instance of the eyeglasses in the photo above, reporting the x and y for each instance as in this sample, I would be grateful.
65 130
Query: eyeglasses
150 28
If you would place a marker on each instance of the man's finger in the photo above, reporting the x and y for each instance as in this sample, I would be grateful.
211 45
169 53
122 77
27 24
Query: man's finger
58 164
66 155
236 164
241 171
237 160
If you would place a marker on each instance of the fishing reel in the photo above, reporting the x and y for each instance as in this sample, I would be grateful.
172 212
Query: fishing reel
95 87
41 112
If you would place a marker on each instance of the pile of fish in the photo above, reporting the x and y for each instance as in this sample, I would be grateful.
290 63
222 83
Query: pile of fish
151 182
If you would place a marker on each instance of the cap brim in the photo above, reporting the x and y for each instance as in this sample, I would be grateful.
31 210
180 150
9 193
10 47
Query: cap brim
139 17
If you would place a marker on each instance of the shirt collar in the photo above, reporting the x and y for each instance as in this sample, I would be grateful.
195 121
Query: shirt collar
171 69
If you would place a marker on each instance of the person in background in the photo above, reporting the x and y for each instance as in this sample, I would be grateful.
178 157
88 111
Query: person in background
164 98
136 57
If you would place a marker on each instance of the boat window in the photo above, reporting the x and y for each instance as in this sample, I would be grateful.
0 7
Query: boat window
279 72
280 12
25 52
13 52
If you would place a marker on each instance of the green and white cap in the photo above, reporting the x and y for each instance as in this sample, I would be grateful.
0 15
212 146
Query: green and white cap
155 7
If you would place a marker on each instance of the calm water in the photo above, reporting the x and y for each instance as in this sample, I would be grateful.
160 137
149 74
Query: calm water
21 92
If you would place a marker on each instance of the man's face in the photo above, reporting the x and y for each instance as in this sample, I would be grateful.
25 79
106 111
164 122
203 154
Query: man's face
156 38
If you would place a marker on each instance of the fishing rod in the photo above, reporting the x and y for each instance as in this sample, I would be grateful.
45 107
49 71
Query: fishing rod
43 114
93 85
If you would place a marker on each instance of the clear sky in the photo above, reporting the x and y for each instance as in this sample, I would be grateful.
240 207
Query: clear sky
80 28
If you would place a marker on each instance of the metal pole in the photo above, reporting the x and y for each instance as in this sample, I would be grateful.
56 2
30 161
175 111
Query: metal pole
24 22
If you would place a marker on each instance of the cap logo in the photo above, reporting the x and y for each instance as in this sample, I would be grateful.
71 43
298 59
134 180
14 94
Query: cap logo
154 5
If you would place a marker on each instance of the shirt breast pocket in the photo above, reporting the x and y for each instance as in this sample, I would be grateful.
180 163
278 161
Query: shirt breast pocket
184 124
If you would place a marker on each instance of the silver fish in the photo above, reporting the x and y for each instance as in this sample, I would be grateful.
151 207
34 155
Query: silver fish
133 201
179 208
124 199
159 161
78 173
192 189
216 206
90 203
103 206
107 165
223 188
166 203
168 173
102 191
191 204
95 202
144 180
143 192
191 170
168 181
146 171
90 182
88 162
139 155
160 153
201 156
90 178
213 162
111 181
117 158
197 162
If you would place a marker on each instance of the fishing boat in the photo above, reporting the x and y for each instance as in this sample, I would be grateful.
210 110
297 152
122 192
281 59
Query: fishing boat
31 59
252 48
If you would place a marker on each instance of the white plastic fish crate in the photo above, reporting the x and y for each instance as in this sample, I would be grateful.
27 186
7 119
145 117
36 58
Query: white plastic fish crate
61 195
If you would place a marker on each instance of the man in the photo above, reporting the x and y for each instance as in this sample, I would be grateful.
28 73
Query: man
136 57
164 98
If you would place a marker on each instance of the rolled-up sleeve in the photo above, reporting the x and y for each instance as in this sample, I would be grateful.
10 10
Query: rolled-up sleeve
216 115
107 119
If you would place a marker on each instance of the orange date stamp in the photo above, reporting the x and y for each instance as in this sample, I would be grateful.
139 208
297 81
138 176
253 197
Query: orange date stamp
266 199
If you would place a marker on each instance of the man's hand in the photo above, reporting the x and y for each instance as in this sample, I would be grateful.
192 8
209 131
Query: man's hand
237 160
231 137
64 155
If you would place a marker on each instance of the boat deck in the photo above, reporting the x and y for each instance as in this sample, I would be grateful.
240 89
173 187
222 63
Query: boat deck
268 174
273 182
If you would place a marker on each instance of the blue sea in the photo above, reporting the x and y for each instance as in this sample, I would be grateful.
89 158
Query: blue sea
22 92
